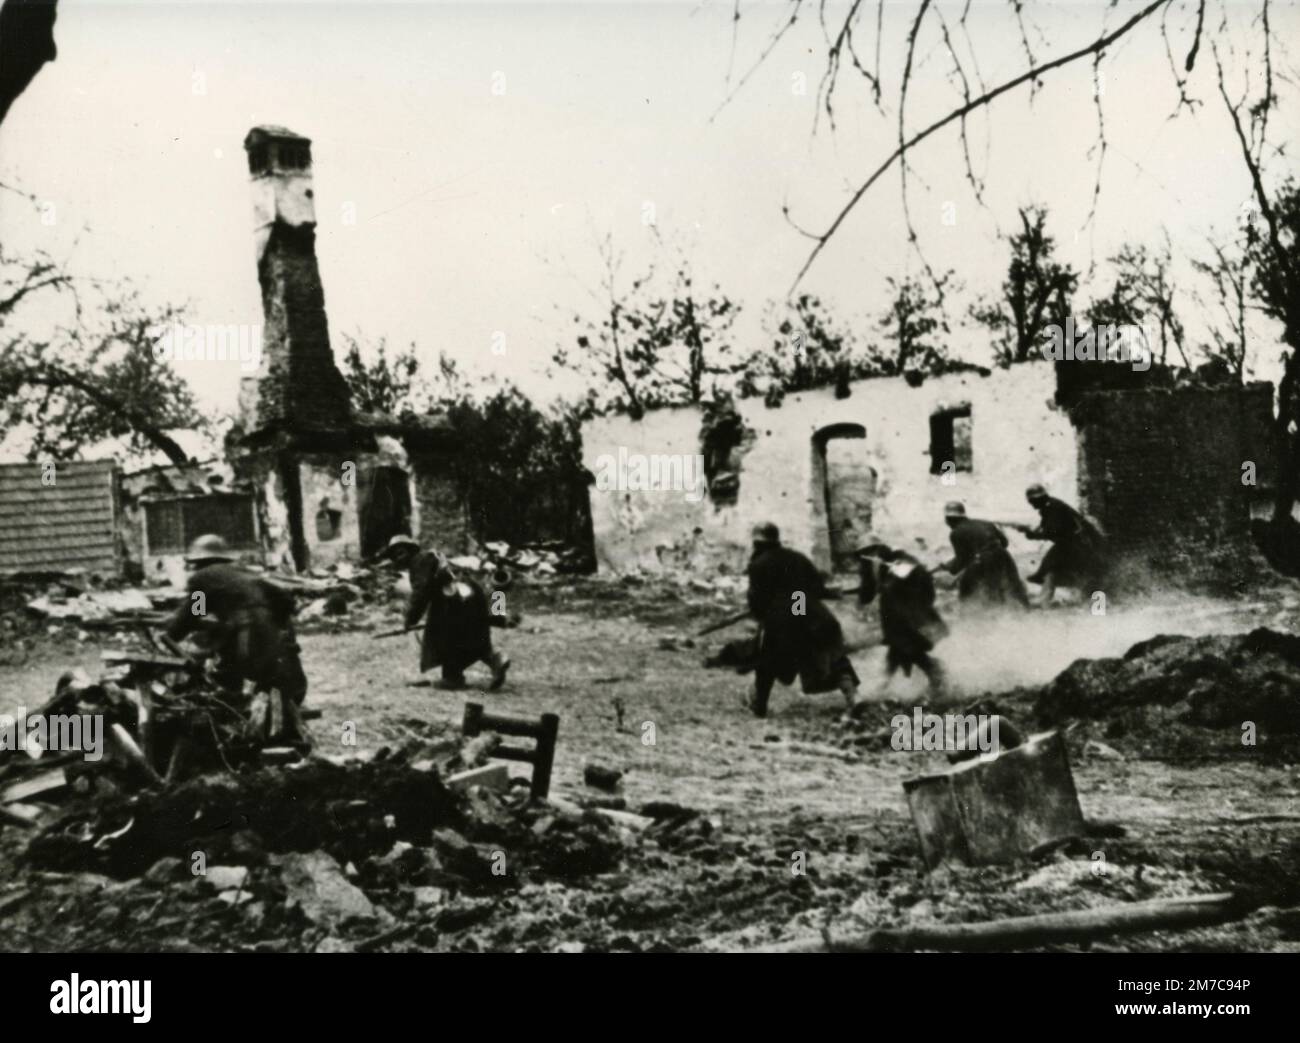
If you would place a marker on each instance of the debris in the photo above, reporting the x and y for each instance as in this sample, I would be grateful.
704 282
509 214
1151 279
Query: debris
1100 750
164 870
636 823
998 807
1032 932
543 730
1215 681
601 777
426 897
317 886
224 878
45 784
491 776
27 816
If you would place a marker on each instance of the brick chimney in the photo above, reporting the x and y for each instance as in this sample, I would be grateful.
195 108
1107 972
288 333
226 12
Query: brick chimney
298 388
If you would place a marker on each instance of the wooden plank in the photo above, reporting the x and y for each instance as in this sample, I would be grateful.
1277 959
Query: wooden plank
47 782
492 776
1032 932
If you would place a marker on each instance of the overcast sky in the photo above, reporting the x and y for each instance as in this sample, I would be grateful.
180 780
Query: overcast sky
477 210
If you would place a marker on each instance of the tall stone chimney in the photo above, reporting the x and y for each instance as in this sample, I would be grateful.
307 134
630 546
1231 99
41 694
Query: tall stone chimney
298 388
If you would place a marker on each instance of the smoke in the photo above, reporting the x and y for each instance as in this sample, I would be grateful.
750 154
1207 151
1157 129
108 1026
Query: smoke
994 653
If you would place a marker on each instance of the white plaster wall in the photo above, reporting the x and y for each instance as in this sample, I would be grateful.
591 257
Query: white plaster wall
322 479
1018 437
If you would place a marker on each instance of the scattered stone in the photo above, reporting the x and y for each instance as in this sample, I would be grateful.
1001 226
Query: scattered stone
224 878
428 897
1100 750
601 777
164 870
317 886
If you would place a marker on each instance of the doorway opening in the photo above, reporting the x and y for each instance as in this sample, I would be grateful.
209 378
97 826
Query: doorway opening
385 509
844 490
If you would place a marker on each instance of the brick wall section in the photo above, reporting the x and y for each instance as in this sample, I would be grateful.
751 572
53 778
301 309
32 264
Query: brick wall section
299 388
1161 471
444 521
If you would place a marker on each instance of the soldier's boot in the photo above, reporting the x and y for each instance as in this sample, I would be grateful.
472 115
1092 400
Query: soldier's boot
500 664
452 681
757 703
938 678
1047 592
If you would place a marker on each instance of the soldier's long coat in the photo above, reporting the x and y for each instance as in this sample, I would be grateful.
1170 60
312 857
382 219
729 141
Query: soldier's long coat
248 622
808 645
985 570
455 612
1077 557
909 623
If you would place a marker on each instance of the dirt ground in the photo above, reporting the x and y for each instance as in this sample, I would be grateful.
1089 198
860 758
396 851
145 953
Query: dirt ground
800 788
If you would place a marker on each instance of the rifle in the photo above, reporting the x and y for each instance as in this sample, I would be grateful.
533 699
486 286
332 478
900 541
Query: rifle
1018 526
722 624
395 633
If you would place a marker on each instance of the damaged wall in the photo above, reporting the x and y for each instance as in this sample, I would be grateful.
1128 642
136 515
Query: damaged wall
444 521
149 555
1017 436
1162 471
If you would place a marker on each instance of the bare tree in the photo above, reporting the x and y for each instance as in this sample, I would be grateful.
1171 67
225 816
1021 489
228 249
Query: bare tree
1037 291
650 345
1228 272
1250 110
810 349
915 322
1144 291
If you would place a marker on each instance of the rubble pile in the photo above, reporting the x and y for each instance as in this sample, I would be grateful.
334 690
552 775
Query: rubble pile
316 854
1168 697
1217 681
355 594
150 720
497 562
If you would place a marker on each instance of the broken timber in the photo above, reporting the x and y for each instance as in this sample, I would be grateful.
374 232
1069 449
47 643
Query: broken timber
1032 932
544 730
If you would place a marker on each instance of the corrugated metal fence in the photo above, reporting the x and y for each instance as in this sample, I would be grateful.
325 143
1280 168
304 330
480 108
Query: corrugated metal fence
60 520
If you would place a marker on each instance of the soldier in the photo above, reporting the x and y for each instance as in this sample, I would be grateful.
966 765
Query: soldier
247 622
798 634
986 573
909 622
1077 557
456 617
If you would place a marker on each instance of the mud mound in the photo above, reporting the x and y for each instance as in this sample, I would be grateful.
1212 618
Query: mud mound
1214 682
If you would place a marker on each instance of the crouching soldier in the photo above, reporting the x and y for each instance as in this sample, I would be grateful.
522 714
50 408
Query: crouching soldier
985 570
1077 557
909 623
244 621
457 618
798 635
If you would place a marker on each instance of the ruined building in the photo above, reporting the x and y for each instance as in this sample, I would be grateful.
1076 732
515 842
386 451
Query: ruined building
329 483
1161 465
